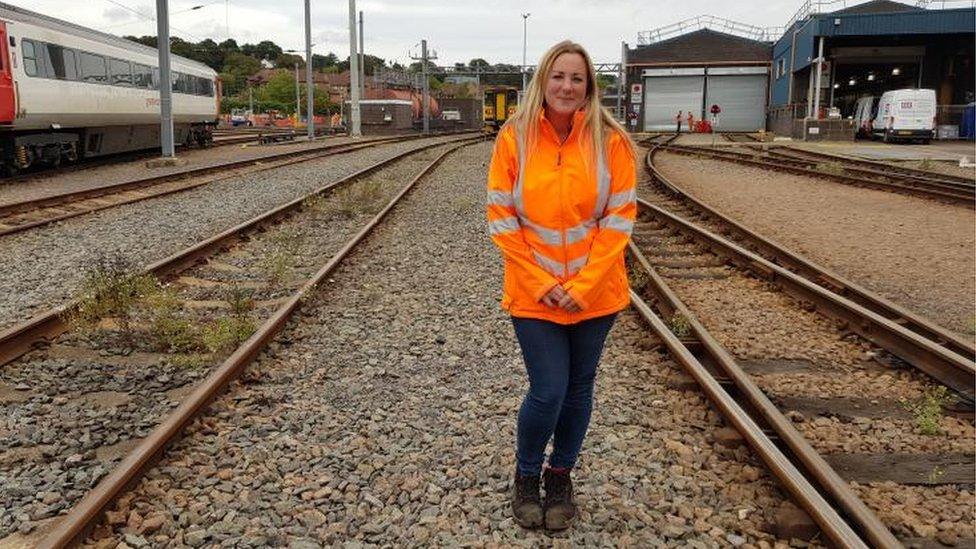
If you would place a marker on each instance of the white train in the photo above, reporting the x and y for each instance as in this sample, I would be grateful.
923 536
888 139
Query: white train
68 92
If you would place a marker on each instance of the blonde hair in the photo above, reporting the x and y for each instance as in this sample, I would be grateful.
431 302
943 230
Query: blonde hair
596 120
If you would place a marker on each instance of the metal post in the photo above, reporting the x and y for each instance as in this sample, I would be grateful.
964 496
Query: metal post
816 97
362 59
525 20
250 100
310 82
356 130
165 80
425 103
621 82
298 99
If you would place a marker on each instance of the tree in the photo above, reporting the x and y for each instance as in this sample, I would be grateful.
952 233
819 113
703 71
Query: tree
237 68
604 80
322 62
288 60
479 63
280 88
144 40
262 50
229 45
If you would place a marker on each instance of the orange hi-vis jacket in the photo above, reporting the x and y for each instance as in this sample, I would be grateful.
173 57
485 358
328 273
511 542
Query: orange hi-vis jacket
558 219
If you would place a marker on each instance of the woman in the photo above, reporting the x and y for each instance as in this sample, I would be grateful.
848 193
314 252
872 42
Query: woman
561 206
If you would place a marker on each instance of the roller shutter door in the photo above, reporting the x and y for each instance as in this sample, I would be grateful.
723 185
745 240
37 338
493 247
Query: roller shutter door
742 99
664 96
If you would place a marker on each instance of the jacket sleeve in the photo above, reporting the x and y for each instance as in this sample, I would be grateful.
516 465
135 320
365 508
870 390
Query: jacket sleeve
503 223
615 225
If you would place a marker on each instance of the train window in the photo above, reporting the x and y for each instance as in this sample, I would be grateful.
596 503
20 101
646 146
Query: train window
61 63
70 64
30 57
155 78
142 76
183 84
93 68
121 72
208 87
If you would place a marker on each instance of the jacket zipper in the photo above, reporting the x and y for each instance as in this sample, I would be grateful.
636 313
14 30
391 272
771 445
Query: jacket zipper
562 208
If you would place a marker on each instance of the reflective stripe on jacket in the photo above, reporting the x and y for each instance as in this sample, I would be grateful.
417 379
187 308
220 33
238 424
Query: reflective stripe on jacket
558 219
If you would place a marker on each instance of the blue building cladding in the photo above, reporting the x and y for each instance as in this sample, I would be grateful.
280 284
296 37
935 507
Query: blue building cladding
948 21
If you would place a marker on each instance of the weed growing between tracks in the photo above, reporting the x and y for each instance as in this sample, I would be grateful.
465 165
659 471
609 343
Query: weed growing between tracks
286 244
679 325
111 290
832 168
153 316
927 410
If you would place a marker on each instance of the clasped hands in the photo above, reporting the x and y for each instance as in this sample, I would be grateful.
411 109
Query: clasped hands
559 297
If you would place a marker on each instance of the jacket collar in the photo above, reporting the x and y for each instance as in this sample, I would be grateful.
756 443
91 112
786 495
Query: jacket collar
578 118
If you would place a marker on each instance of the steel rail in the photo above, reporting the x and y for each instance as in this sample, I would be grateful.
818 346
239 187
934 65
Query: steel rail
239 167
778 154
813 466
879 166
819 274
84 515
813 159
949 368
955 196
795 482
20 338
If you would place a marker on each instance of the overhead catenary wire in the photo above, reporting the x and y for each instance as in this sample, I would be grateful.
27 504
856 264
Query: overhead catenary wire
153 19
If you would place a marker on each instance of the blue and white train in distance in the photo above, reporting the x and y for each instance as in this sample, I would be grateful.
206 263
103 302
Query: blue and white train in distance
69 92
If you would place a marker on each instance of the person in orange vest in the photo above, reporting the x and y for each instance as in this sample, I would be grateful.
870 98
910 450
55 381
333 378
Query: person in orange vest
691 122
561 208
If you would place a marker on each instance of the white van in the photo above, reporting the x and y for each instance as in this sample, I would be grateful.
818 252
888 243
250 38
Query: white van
905 114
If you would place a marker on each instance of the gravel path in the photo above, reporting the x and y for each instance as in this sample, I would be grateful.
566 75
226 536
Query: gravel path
916 252
46 184
386 416
43 267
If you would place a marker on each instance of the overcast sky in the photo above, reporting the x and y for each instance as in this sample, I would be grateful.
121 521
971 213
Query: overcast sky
458 30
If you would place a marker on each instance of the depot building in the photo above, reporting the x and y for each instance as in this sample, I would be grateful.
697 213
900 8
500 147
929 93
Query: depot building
808 74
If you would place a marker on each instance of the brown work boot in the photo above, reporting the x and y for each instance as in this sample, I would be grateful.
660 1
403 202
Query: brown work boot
526 505
560 509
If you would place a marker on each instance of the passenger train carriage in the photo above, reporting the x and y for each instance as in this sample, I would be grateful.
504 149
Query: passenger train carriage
68 92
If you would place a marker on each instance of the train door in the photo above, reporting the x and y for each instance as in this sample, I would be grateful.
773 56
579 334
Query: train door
7 99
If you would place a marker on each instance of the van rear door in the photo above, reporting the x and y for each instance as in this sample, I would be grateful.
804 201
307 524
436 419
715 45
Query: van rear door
7 99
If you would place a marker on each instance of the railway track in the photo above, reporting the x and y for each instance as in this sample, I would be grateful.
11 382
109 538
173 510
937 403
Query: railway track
21 216
870 166
222 138
885 322
238 288
686 266
799 163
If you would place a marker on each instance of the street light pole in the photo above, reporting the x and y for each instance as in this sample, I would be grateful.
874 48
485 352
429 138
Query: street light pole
356 130
298 99
310 105
362 60
525 22
165 80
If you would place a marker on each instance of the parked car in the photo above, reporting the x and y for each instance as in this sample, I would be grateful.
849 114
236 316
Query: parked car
905 114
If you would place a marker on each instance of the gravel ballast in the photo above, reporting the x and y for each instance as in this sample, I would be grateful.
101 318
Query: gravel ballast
88 177
43 267
70 412
914 251
385 414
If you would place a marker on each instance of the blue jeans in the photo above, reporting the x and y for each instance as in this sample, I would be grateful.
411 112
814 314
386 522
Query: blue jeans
561 361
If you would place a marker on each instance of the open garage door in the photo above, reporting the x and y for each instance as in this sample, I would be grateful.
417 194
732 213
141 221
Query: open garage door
667 91
741 93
